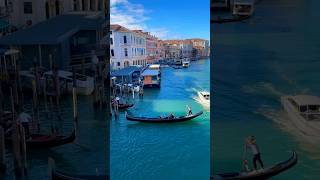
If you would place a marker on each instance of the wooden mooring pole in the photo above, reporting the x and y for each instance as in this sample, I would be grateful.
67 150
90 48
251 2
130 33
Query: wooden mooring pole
2 151
18 168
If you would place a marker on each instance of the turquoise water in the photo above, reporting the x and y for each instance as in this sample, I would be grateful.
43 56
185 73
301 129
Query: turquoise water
165 151
274 53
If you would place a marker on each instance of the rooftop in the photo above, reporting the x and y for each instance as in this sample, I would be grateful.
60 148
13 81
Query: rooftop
150 72
126 71
117 27
54 30
306 100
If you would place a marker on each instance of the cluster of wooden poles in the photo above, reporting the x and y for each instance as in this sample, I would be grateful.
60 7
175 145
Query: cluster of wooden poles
11 79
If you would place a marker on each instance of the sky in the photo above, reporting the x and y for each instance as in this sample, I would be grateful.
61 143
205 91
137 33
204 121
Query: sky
166 19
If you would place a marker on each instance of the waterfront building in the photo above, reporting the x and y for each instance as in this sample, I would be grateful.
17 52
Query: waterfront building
151 48
160 50
67 40
127 47
179 48
186 48
172 49
200 47
31 12
127 75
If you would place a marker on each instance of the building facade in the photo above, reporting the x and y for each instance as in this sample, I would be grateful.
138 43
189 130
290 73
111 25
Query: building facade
29 12
200 47
70 45
127 47
151 48
160 51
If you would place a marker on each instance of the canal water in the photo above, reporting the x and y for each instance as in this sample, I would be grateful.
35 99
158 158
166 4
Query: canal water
255 62
165 151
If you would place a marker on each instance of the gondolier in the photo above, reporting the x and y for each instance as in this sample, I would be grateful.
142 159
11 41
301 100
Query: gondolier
24 119
189 110
251 142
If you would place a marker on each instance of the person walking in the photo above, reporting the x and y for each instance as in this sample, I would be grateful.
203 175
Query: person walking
252 144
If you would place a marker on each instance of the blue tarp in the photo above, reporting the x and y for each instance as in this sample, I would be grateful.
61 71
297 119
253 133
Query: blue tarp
150 72
127 71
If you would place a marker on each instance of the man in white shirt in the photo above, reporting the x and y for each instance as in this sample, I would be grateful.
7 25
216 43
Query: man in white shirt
251 142
24 119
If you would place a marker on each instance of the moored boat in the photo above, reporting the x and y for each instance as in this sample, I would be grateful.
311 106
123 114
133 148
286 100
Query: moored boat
185 63
167 119
85 84
304 113
124 106
176 67
261 174
42 141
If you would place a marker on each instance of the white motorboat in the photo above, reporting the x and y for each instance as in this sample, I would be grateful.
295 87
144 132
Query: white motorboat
204 98
185 63
85 84
304 113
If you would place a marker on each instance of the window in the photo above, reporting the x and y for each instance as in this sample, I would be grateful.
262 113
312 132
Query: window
125 52
111 41
124 39
112 52
118 63
154 78
27 7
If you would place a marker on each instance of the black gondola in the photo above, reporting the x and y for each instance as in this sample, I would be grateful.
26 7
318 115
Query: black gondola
124 106
42 141
57 175
227 20
260 174
48 141
167 119
177 67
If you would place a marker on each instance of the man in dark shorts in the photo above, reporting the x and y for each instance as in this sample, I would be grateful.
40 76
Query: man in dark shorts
252 144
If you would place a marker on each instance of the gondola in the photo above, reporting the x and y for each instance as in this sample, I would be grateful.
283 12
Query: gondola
57 175
163 119
49 141
227 20
177 67
124 106
260 174
41 141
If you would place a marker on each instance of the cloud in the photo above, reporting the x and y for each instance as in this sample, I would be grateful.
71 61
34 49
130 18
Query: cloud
130 15
135 16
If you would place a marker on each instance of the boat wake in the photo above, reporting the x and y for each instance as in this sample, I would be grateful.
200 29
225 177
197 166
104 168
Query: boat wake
206 106
307 142
263 88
